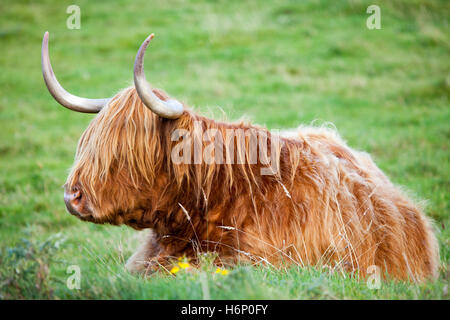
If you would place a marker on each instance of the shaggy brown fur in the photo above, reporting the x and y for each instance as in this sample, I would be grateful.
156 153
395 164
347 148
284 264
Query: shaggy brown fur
329 205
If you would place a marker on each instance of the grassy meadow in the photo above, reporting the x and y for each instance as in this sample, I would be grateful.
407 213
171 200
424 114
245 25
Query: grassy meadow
278 63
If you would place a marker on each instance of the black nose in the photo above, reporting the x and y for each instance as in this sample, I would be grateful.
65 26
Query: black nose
73 199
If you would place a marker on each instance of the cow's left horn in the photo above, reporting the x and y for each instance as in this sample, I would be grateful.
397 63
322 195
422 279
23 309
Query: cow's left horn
170 109
65 98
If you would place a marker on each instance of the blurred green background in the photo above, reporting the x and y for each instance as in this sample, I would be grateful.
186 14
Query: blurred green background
278 63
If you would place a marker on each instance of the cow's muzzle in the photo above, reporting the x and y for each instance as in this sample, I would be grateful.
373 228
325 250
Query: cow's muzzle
76 203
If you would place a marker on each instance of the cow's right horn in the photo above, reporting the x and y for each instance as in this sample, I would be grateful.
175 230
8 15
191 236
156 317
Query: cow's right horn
65 98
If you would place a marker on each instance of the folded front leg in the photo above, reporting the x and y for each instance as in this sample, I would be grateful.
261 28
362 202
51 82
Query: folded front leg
142 261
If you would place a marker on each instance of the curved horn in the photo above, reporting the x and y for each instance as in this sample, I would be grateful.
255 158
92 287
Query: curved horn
62 96
170 109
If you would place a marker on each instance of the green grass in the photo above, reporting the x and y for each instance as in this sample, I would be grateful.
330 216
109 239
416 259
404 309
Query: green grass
280 64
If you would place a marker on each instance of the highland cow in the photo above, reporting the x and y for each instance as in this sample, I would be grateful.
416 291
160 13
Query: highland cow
324 204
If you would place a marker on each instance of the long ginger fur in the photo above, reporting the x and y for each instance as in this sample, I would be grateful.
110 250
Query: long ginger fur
328 205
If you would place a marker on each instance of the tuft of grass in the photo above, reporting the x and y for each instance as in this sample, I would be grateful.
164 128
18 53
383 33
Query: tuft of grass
280 64
25 274
25 268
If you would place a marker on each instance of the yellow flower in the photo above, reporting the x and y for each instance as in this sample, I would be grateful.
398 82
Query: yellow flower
223 272
184 265
174 270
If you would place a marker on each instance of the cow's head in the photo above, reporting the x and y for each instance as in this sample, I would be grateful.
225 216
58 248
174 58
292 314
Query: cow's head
118 167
